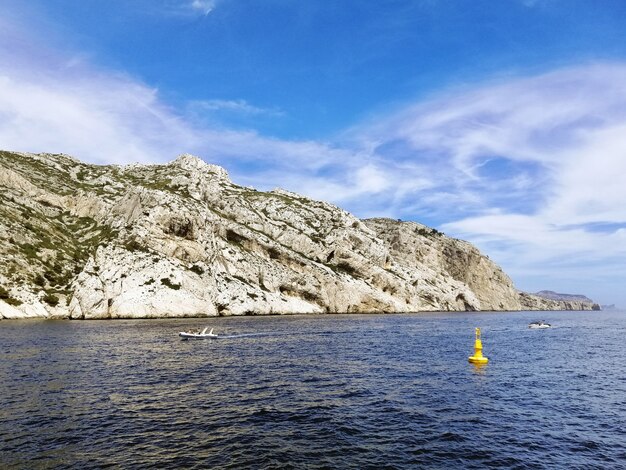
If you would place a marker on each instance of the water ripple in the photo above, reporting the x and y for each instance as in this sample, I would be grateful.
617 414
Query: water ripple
315 392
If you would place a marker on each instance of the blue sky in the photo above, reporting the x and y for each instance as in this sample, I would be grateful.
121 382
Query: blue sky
500 122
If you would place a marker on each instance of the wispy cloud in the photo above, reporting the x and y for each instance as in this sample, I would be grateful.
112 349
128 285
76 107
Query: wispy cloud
55 102
241 107
536 137
203 6
183 8
120 118
539 159
527 168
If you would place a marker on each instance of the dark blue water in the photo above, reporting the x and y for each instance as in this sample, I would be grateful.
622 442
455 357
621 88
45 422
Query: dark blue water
384 391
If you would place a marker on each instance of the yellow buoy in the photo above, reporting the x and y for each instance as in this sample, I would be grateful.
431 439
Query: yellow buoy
478 357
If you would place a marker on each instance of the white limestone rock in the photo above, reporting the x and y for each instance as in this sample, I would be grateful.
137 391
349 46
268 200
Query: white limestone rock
147 241
10 312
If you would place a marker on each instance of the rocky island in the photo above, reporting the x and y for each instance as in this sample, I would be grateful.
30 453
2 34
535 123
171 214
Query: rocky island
85 241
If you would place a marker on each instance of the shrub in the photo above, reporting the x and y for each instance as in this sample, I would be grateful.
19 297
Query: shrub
134 245
166 282
39 280
29 250
197 269
51 276
429 232
51 300
4 294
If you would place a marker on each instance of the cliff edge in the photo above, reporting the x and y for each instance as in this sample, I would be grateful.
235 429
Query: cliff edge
142 241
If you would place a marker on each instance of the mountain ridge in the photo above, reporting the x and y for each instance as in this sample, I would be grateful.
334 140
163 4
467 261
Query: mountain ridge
180 239
549 294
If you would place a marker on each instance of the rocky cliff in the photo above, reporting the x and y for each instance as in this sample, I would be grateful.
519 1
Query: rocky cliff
536 302
140 241
572 301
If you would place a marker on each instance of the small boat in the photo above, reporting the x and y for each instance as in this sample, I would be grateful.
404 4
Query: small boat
197 334
539 325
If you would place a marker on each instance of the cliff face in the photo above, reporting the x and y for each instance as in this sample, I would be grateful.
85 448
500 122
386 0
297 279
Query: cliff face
87 241
548 294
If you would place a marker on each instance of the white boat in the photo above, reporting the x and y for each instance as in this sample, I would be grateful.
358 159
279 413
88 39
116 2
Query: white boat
197 335
539 325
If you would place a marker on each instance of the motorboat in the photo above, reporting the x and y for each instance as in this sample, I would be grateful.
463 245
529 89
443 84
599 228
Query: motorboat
539 325
198 334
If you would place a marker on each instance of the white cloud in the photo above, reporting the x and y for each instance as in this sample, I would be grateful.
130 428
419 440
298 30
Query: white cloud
51 102
241 107
116 119
540 159
103 119
182 9
203 6
563 129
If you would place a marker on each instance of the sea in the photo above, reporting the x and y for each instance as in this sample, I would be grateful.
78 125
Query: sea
319 392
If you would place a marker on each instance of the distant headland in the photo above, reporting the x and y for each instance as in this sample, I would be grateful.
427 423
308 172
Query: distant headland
85 241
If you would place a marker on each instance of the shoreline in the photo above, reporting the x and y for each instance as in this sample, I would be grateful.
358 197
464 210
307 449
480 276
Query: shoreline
301 314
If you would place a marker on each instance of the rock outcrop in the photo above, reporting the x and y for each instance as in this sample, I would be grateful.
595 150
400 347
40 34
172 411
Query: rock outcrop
140 241
550 300
536 302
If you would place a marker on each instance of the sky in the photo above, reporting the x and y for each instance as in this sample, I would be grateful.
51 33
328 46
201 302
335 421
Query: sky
501 122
